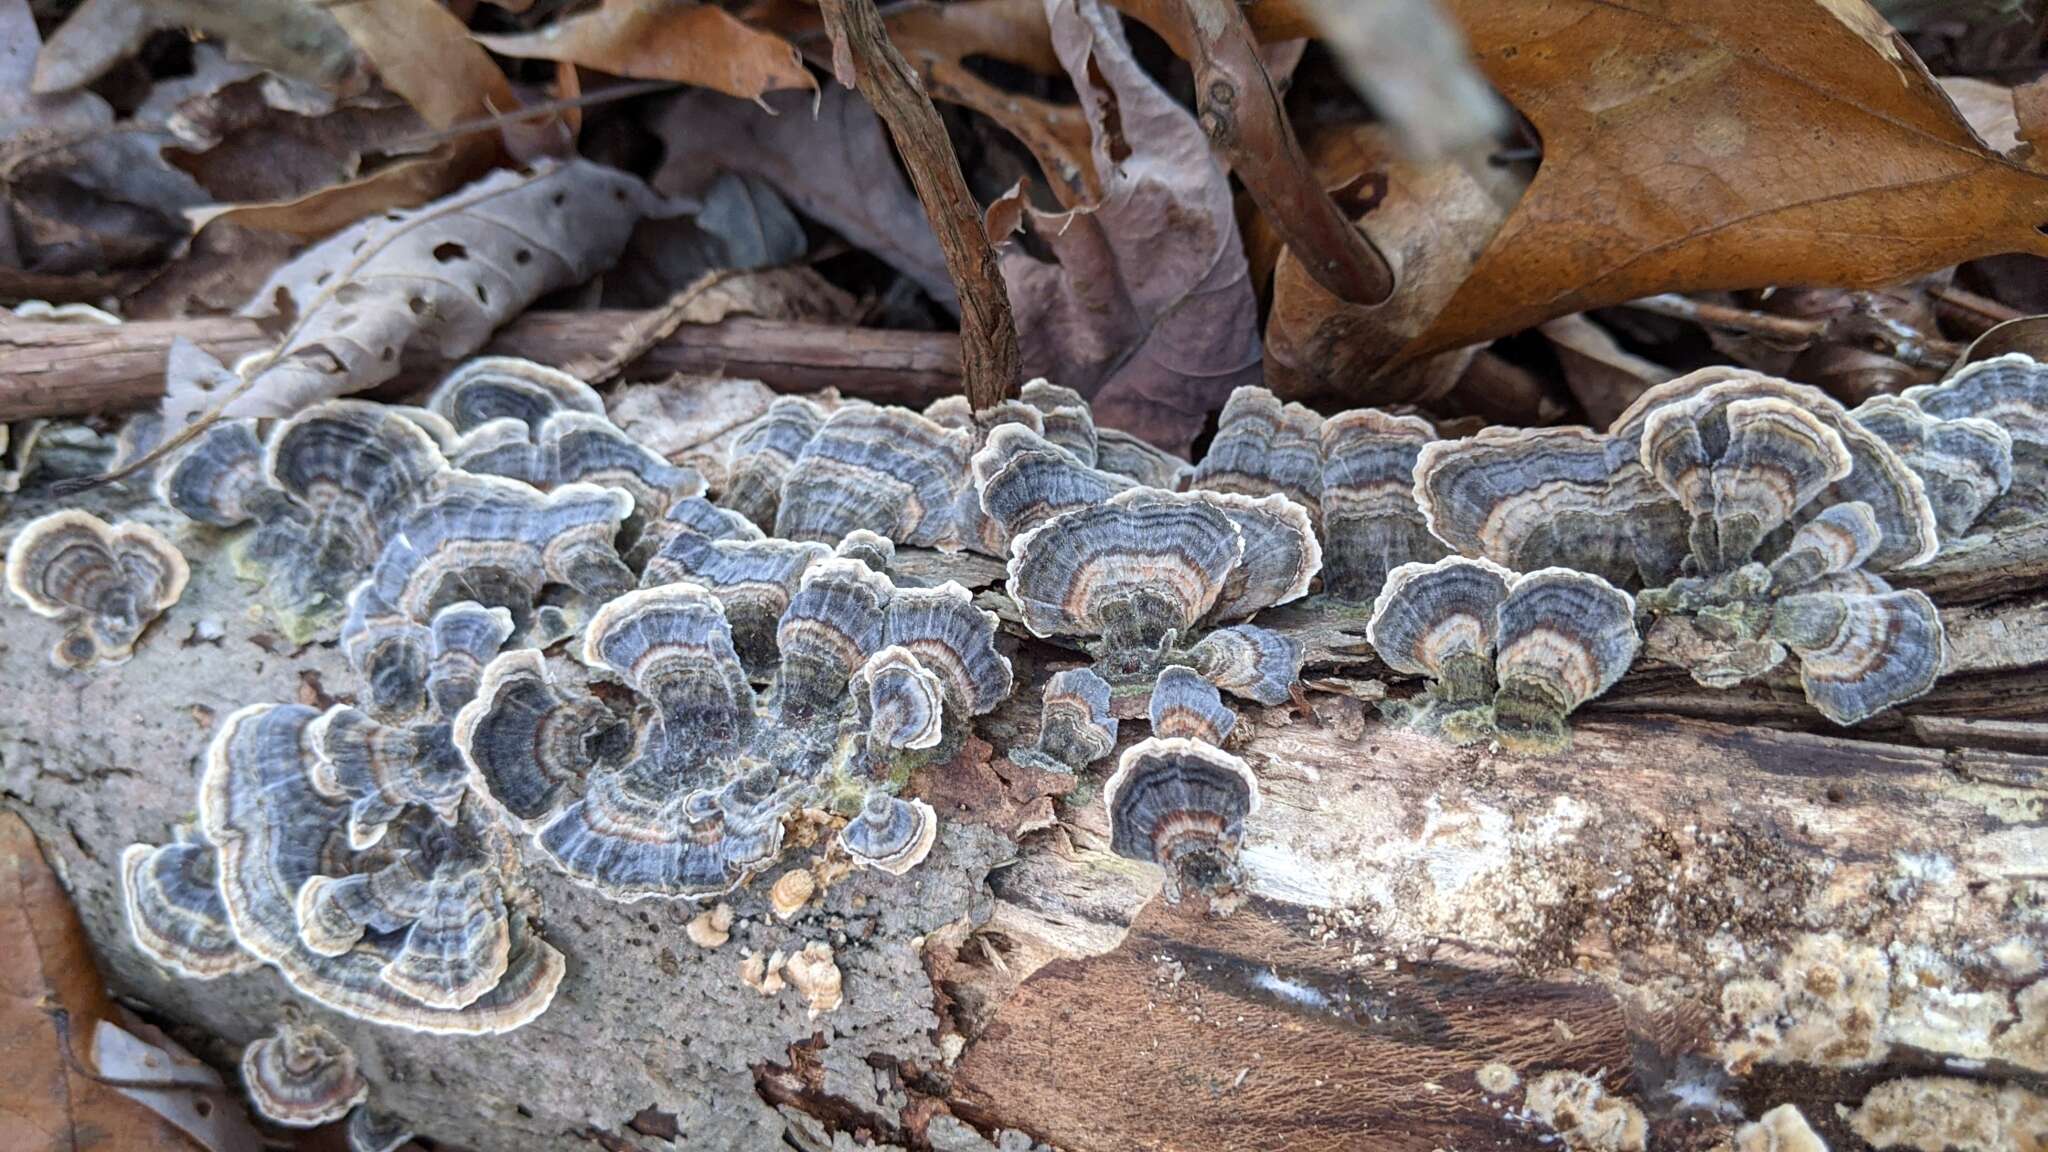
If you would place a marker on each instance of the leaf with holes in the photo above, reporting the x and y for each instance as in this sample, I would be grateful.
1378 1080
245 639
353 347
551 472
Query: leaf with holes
434 281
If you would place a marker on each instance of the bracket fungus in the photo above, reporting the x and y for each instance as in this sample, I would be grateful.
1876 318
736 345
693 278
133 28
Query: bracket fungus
1534 498
302 1076
1181 804
888 470
1509 656
2010 391
1263 447
753 578
175 913
1075 726
1370 522
322 494
682 793
104 583
890 834
439 947
1796 508
1023 480
372 1131
577 447
1965 462
1186 705
763 453
488 388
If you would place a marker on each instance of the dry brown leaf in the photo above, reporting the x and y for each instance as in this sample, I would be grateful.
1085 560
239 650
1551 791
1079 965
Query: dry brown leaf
423 53
435 281
1987 107
46 967
1148 306
1712 146
285 36
1431 220
1605 377
698 44
836 167
406 183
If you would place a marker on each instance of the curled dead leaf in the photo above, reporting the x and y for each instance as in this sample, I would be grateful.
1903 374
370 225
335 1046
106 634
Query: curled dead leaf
698 44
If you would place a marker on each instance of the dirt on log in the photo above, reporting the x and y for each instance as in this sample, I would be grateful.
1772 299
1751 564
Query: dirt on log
1645 942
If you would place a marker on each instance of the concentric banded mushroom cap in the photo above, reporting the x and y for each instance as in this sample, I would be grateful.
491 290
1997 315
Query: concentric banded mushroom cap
105 582
902 702
1263 447
672 645
302 1076
1841 538
527 741
500 387
273 833
1187 706
890 835
464 637
1551 497
1281 552
1564 638
1025 480
1861 653
1877 476
1440 620
1246 660
354 461
175 913
1134 574
1065 418
1965 462
372 1131
833 623
1120 452
1075 725
632 837
1371 524
1741 464
2011 391
763 453
753 579
876 551
888 470
218 478
379 769
1181 804
391 655
955 640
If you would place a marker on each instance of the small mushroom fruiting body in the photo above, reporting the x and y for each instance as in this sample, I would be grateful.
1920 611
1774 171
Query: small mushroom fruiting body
302 1076
1023 480
1370 522
175 913
372 1131
754 579
1187 706
1126 455
890 834
1281 553
1263 447
104 583
814 973
888 470
570 447
1181 804
1509 656
2011 392
902 703
1075 726
763 453
1964 462
489 388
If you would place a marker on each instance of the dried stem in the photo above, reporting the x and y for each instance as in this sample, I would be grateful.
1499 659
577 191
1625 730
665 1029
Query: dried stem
864 59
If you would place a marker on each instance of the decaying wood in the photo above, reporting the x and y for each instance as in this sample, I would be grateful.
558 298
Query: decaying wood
863 57
69 369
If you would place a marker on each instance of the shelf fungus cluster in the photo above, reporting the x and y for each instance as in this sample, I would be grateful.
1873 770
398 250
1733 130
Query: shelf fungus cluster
1177 798
1508 656
303 1076
680 788
104 583
1979 440
1758 519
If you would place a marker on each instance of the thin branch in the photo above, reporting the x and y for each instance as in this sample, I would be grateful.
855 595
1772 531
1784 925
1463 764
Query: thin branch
456 131
864 58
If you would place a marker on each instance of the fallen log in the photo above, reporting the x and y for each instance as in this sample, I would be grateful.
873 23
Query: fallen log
73 369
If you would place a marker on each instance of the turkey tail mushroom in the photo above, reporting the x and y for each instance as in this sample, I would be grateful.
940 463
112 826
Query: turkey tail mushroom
104 583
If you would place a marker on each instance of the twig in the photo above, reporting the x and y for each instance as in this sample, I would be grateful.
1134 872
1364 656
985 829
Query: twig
71 369
863 58
1907 345
1980 312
